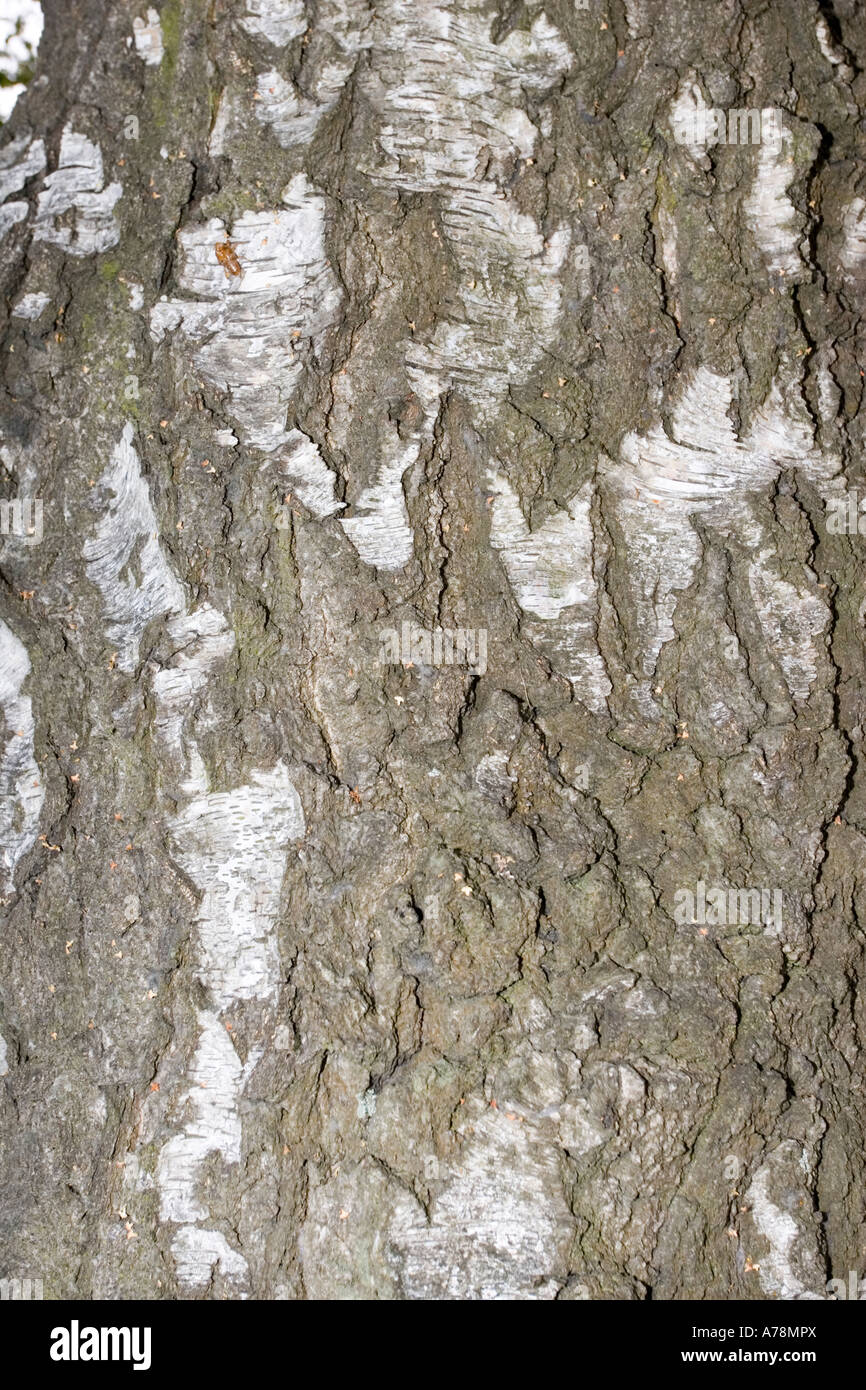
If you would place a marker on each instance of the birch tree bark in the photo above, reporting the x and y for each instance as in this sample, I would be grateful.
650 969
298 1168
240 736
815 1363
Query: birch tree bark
432 813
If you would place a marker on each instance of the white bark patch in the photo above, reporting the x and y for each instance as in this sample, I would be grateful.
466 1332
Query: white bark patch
202 641
382 535
21 789
31 306
197 1252
19 161
791 619
243 329
278 21
233 846
783 431
498 1225
507 319
826 44
769 211
304 470
550 571
451 103
698 465
853 250
227 112
10 215
445 89
790 1254
148 38
124 558
548 568
212 1123
209 1113
292 117
670 256
4 1057
293 113
76 186
499 1228
699 461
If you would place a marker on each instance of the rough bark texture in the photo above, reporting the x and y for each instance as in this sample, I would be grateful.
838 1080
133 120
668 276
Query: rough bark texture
327 977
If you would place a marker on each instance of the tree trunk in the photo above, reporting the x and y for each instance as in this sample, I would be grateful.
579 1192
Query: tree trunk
434 835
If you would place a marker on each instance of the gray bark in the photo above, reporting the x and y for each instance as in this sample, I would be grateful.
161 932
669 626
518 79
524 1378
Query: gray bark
338 968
